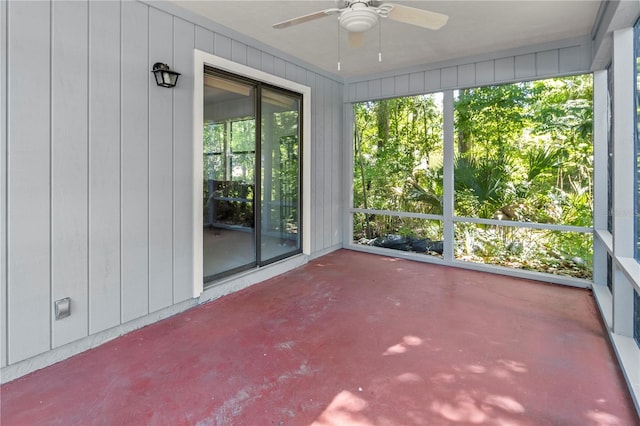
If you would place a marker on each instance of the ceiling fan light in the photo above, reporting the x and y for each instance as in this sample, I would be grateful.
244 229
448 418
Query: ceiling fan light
358 20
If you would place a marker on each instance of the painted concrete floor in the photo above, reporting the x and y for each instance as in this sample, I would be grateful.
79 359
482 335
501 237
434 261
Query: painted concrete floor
349 339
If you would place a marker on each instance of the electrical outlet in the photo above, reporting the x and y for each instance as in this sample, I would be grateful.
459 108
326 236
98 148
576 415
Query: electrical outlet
62 308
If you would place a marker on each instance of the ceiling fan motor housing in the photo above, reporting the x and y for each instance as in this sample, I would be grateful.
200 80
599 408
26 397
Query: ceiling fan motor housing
358 18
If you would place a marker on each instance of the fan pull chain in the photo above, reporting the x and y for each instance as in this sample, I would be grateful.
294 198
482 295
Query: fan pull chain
338 43
379 41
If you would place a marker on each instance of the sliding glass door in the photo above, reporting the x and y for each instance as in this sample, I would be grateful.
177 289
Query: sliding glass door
280 174
251 191
229 176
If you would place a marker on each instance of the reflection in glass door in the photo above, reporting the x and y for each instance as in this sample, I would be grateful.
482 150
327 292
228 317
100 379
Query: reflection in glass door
229 176
251 191
280 175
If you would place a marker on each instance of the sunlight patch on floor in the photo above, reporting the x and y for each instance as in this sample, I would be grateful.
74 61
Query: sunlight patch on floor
409 378
469 408
600 418
402 347
463 408
345 410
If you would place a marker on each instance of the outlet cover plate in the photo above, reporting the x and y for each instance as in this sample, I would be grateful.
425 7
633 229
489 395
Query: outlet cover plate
62 308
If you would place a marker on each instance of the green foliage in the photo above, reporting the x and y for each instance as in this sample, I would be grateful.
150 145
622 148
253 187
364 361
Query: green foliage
562 253
367 227
483 183
541 161
523 152
518 141
492 113
398 155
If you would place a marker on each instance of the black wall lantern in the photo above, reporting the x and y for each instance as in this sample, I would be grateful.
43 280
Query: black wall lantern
165 77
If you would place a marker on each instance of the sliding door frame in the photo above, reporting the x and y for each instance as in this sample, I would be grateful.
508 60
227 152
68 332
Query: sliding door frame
202 59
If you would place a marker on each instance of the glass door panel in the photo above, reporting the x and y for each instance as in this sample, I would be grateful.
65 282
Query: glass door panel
280 175
229 237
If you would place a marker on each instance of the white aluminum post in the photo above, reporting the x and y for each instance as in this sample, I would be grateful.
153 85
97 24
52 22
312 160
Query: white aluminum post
448 186
600 174
623 177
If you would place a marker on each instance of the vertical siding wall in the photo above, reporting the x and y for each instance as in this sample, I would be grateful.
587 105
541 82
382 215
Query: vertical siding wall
97 163
535 62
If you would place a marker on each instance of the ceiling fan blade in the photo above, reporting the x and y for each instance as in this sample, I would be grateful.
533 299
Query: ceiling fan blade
305 18
355 40
418 17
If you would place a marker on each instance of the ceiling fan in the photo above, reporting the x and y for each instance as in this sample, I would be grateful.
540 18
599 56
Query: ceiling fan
358 16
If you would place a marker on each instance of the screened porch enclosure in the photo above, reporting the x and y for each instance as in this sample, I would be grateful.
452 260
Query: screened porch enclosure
588 233
522 157
139 218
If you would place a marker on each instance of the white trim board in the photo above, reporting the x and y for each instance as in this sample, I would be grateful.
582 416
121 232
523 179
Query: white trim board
625 348
200 59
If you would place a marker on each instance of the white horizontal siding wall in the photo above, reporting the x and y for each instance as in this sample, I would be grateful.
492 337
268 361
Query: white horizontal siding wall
535 62
97 165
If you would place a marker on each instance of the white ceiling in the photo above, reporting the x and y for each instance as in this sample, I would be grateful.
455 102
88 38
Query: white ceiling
474 27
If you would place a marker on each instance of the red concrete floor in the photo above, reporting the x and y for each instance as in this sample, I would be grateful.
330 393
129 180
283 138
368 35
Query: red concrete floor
349 339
